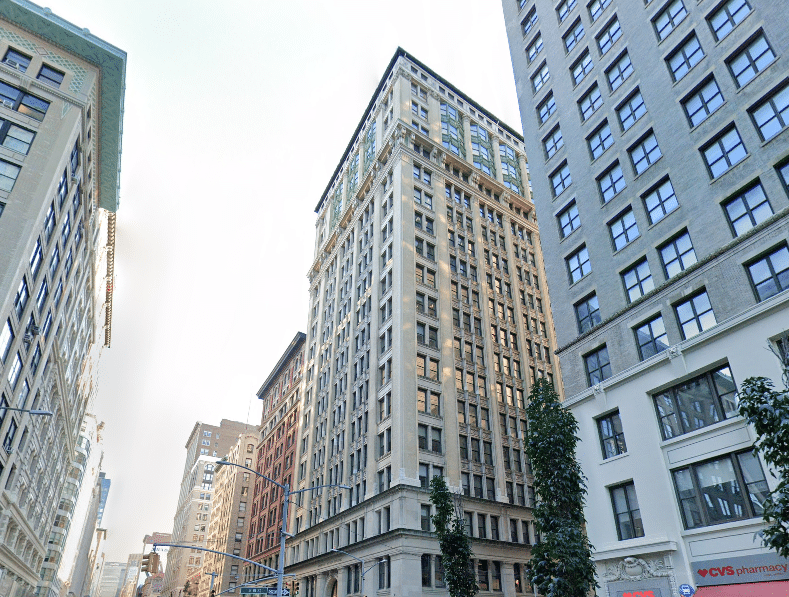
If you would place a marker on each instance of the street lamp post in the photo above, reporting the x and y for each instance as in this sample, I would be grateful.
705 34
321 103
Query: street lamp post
286 493
350 555
33 411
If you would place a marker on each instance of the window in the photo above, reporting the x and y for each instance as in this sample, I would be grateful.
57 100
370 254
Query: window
50 76
597 7
598 366
626 512
423 198
6 339
546 107
668 19
724 151
590 102
660 201
563 10
534 48
770 274
582 67
529 21
619 71
553 142
727 17
608 37
600 140
751 60
15 138
587 313
540 77
631 110
651 337
772 115
23 103
697 403
624 229
561 179
612 437
578 264
572 37
20 301
384 573
730 487
569 219
684 58
638 280
695 315
16 60
645 153
611 182
703 102
677 254
8 175
747 209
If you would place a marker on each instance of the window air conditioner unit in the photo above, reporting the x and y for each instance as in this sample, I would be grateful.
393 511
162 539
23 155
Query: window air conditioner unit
35 330
12 63
8 104
28 338
74 179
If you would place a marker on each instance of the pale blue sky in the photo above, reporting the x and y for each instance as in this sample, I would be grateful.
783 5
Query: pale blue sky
236 116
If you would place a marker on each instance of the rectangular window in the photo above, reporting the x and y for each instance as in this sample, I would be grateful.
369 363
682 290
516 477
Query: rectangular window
546 107
660 201
598 365
611 182
540 78
578 264
596 8
600 140
770 274
553 142
561 179
651 337
590 102
609 36
702 102
8 175
747 209
631 110
727 17
612 437
582 67
15 138
751 60
572 37
619 72
697 403
624 229
529 21
730 487
534 48
723 152
645 153
668 19
771 116
685 57
564 9
695 315
568 219
677 254
626 512
50 76
587 313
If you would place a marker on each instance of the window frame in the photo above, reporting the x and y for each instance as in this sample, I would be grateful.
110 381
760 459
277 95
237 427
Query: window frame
600 368
745 49
718 141
689 300
618 438
780 279
636 528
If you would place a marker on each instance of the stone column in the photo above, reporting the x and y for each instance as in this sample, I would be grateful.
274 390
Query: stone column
507 579
524 176
467 135
320 584
342 581
494 141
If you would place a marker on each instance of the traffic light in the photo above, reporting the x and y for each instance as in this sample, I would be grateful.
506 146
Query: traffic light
153 565
146 564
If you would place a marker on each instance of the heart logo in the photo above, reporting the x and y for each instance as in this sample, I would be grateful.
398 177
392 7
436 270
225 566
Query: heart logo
702 573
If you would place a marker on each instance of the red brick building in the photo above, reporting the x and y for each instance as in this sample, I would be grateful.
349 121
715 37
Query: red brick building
276 452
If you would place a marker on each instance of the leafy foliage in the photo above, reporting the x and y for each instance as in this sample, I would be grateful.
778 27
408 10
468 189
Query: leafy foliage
455 545
561 564
768 411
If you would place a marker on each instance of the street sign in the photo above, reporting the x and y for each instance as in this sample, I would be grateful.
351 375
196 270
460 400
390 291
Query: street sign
264 591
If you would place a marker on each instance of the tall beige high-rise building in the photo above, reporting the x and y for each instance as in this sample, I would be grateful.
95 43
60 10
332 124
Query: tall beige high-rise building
659 147
428 322
206 444
61 111
231 508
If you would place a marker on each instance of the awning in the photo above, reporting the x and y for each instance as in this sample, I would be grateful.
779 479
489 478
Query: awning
778 588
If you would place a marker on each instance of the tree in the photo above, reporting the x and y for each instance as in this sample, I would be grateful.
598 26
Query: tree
455 545
561 564
768 411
